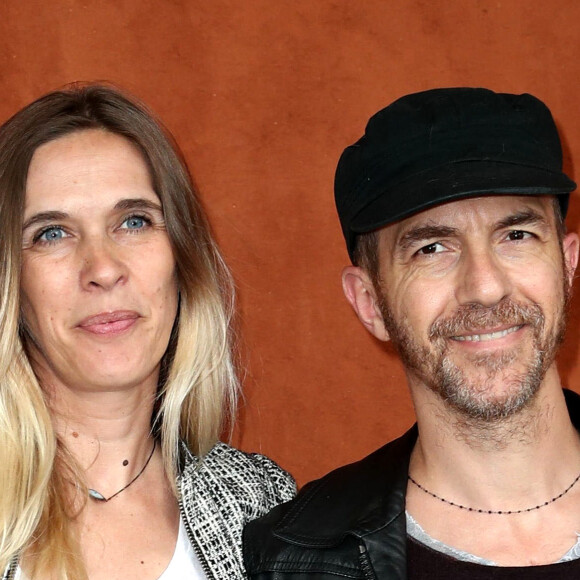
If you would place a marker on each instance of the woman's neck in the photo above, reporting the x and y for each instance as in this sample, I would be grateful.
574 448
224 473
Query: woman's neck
108 433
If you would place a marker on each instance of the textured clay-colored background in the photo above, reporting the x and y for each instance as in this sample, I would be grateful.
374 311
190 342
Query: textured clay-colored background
263 95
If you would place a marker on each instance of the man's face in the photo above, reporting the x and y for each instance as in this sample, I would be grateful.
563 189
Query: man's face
473 295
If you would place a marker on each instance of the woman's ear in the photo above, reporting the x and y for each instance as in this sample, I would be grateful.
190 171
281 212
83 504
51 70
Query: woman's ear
359 291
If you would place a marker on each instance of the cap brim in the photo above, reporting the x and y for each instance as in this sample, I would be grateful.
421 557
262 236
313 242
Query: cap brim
451 182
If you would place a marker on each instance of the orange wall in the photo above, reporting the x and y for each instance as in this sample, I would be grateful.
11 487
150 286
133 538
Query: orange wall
263 95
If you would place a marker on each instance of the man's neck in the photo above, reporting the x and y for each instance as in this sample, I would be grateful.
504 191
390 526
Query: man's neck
528 466
523 454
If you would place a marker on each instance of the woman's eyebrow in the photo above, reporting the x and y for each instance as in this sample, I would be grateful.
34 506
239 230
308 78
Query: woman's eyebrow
138 203
123 204
44 216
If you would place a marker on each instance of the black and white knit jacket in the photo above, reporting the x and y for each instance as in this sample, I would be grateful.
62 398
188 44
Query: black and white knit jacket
218 496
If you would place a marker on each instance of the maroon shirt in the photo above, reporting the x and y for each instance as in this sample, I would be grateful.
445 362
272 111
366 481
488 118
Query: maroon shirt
424 563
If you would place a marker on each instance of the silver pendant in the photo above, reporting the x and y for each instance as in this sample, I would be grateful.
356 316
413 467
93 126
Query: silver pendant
96 495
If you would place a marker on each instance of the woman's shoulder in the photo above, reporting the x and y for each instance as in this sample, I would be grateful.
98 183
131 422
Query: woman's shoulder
245 475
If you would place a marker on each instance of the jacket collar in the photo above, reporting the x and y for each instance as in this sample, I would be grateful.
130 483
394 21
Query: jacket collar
352 500
362 498
573 403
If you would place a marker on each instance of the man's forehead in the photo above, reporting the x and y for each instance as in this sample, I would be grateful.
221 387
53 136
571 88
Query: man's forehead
458 214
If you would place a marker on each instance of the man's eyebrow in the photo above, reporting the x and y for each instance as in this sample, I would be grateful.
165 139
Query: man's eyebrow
525 217
421 233
424 232
123 204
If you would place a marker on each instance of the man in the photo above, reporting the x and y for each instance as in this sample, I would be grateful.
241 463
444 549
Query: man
452 206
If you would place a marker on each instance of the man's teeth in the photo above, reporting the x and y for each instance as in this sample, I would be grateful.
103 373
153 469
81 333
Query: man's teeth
489 336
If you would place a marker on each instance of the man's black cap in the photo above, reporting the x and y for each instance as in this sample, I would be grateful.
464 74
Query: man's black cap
445 144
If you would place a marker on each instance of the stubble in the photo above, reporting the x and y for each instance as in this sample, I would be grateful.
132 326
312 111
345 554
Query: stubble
469 389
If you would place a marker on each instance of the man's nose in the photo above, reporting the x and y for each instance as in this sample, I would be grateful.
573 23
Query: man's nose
483 278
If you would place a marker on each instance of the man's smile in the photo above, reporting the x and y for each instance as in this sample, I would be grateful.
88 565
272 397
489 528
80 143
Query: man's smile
484 337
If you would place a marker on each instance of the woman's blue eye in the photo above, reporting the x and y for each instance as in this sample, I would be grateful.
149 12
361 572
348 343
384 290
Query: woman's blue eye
51 234
134 223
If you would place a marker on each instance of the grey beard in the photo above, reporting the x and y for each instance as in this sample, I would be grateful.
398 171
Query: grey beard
470 399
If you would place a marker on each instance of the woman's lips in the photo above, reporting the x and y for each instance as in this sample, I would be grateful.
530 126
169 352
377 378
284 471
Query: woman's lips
109 322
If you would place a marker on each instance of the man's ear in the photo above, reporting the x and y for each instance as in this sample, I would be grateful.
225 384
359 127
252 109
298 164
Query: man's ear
359 291
570 247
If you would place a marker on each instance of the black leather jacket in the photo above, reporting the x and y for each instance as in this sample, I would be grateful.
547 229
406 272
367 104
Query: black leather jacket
349 524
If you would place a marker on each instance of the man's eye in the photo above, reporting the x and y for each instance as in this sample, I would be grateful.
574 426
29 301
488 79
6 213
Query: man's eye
518 235
434 248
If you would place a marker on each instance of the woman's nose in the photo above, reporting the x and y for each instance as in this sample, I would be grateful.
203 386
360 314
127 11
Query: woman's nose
102 265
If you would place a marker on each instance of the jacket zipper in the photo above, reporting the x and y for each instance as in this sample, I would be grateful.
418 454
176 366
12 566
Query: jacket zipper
200 557
189 531
12 569
366 563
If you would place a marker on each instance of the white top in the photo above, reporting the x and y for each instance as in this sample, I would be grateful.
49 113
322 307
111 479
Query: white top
184 564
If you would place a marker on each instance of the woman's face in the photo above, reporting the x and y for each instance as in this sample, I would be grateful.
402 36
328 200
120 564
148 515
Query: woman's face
99 294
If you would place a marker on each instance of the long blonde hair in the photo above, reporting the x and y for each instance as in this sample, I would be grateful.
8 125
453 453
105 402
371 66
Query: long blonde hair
198 385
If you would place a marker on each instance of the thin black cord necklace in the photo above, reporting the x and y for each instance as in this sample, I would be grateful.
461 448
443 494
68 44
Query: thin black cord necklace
495 512
94 494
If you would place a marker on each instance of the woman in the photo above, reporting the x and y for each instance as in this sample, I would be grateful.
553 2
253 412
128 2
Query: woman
115 361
